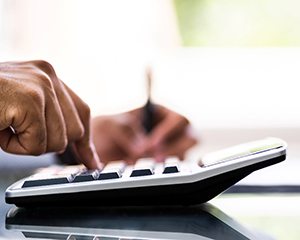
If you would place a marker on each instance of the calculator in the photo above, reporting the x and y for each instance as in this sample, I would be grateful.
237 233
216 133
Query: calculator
147 182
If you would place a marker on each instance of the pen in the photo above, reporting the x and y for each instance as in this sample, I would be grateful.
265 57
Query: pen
148 109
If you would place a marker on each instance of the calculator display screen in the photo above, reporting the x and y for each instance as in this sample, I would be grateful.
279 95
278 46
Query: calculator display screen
241 150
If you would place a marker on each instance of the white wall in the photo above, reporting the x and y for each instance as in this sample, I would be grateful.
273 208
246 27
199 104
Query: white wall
101 48
233 87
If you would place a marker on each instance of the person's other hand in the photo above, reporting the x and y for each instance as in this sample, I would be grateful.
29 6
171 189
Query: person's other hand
118 137
171 135
121 137
40 114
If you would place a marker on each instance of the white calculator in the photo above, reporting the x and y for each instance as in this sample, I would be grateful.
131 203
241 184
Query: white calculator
171 182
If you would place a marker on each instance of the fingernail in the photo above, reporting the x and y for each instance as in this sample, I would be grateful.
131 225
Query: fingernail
96 158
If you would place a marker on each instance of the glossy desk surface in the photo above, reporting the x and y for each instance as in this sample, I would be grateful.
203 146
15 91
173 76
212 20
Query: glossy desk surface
188 223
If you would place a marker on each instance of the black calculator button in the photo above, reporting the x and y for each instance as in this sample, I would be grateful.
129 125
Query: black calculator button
171 165
52 176
86 176
143 167
109 175
171 169
44 182
141 172
112 170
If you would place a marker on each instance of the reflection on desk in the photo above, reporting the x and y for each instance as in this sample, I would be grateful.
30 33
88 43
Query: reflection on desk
188 223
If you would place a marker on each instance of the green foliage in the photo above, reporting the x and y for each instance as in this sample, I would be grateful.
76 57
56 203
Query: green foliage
241 23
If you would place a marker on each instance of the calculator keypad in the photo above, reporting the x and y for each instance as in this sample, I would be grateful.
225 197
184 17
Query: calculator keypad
113 170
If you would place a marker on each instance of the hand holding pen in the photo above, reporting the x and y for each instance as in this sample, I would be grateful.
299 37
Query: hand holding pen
149 131
166 130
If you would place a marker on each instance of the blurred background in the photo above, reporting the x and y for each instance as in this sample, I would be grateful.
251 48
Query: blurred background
231 67
223 64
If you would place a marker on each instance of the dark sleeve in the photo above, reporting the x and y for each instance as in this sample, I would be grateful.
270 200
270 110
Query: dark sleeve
68 157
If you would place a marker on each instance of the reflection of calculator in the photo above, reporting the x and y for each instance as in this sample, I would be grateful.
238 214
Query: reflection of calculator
147 182
132 223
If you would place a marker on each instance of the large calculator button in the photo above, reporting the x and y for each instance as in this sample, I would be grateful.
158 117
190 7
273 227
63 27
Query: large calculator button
48 180
52 175
87 175
171 165
143 167
141 172
44 182
112 170
109 175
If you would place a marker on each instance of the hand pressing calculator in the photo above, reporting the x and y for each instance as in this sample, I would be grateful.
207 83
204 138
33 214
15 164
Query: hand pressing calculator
172 182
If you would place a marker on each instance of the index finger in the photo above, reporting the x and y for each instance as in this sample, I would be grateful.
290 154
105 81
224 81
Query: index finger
85 147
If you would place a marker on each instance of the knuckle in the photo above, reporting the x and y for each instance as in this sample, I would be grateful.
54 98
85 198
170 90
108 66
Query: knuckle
45 66
45 81
11 112
35 95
